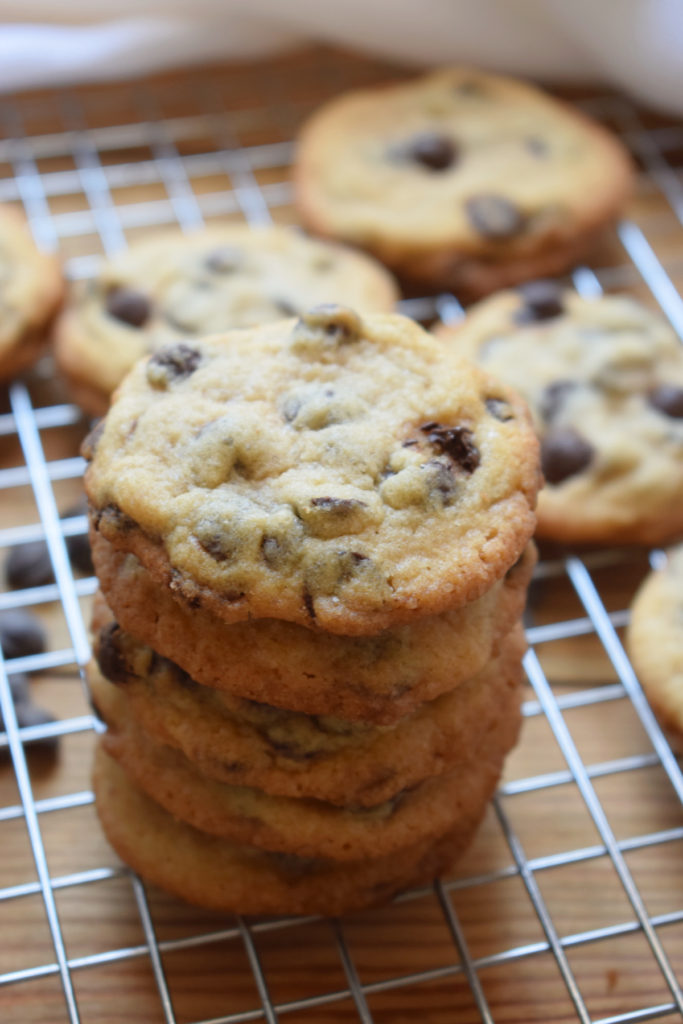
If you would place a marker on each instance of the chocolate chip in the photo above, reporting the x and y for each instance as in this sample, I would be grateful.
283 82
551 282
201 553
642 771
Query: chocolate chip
542 301
536 146
553 396
29 714
217 544
434 151
564 453
172 363
456 442
285 307
224 260
667 398
494 216
349 562
308 603
499 409
91 440
21 634
20 688
113 518
129 306
339 506
329 321
29 565
109 656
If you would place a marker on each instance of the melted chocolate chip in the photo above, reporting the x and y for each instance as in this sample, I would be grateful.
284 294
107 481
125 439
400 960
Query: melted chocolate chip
494 216
129 306
175 363
330 321
667 398
21 634
349 561
499 409
224 260
456 442
434 151
109 656
441 479
564 453
308 603
542 301
91 440
217 545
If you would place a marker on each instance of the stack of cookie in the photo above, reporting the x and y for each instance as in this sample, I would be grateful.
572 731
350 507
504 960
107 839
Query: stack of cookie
312 539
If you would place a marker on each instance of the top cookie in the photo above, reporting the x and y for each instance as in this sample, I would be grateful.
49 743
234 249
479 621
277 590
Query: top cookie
344 473
31 288
603 378
460 179
175 285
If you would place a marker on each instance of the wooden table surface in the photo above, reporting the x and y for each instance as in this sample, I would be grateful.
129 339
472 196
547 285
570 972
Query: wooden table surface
406 956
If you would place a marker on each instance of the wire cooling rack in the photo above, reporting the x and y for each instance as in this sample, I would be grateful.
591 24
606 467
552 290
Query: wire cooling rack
569 906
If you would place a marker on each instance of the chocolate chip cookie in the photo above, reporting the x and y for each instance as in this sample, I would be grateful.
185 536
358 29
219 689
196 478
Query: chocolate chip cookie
286 753
460 179
344 473
603 378
655 641
237 878
377 679
176 286
31 288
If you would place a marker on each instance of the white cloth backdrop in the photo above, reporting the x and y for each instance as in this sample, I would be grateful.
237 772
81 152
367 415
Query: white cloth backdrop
636 45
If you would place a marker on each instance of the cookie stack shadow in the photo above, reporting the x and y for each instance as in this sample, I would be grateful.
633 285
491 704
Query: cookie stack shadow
261 766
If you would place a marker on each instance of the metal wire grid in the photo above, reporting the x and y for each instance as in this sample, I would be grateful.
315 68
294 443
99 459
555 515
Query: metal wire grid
95 175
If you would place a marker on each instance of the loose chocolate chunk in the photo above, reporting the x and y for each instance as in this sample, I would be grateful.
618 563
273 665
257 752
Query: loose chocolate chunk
172 363
432 150
21 634
552 398
456 442
109 655
129 306
564 453
20 689
78 545
224 260
29 565
28 715
668 398
91 440
499 409
542 301
494 216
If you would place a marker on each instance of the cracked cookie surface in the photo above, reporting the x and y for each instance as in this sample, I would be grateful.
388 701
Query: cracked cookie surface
342 473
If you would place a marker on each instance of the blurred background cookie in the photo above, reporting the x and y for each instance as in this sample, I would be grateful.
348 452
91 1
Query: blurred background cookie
177 285
603 378
461 180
